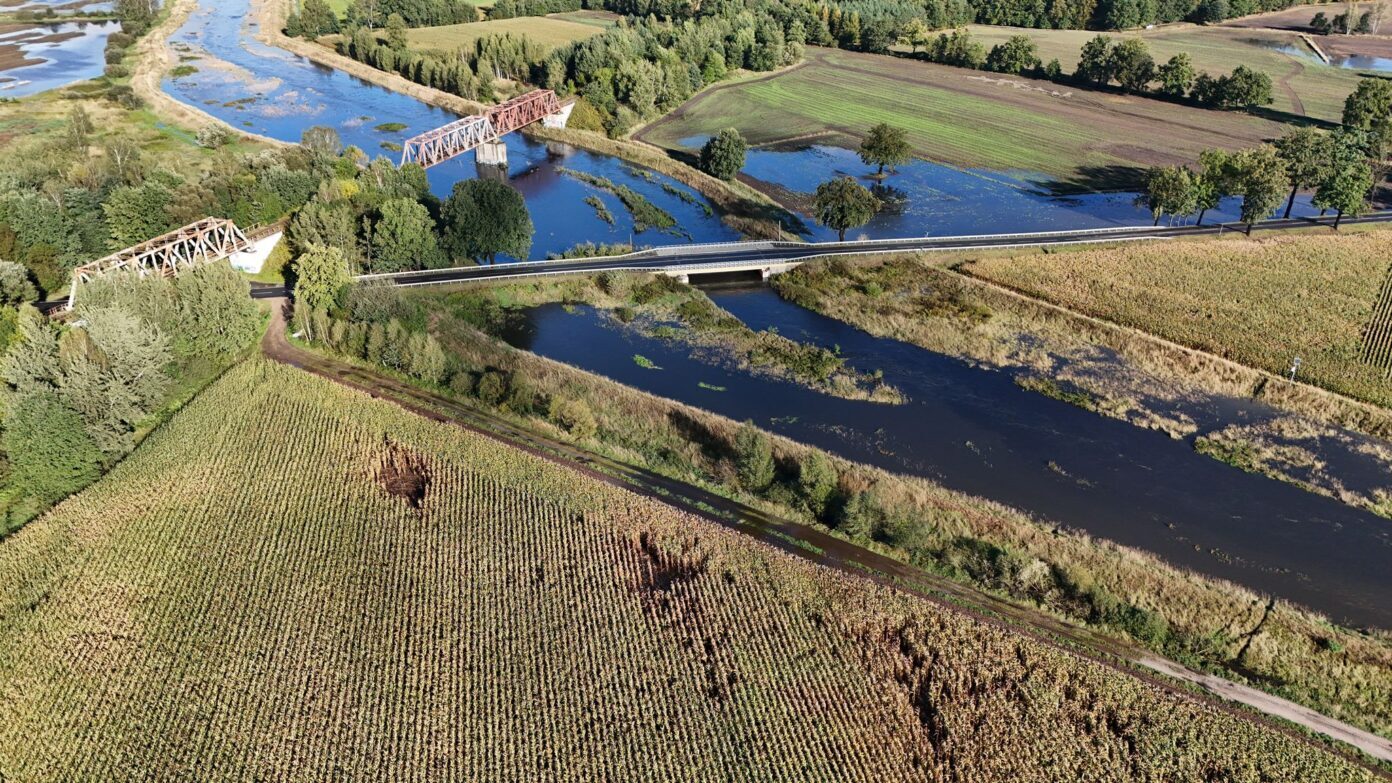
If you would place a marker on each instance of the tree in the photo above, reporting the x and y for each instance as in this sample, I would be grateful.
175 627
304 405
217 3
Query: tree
80 127
1213 182
322 140
1321 24
397 35
1094 64
317 18
1017 55
1346 179
1131 65
842 204
217 316
1245 87
15 286
51 454
1176 76
915 34
1170 190
1369 108
722 156
135 214
885 145
403 238
753 458
1212 11
483 218
31 365
1261 179
816 482
114 374
321 275
1304 152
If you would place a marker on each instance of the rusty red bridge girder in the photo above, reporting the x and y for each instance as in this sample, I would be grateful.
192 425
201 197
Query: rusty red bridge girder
461 136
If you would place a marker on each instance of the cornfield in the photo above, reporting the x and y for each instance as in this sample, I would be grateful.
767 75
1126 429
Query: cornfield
292 581
1259 303
1377 338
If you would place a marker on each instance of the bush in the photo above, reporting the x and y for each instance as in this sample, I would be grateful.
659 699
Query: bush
51 453
574 416
492 387
753 458
213 136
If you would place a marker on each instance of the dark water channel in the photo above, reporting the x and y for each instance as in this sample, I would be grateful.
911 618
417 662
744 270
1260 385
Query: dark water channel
974 430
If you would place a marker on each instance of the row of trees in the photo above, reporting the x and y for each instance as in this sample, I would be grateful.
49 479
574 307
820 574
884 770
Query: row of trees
1104 62
1367 24
317 17
1335 164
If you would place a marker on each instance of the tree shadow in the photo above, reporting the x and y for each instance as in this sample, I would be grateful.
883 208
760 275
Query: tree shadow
1097 179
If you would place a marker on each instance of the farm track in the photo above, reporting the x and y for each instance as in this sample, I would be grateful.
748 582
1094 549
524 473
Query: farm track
824 549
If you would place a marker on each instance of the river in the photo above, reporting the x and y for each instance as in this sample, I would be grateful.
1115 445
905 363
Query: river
973 430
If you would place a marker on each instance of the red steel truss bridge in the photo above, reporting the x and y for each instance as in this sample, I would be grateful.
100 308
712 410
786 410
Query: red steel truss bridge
457 138
208 240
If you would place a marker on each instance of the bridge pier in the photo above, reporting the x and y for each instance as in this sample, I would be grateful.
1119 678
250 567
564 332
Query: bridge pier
492 153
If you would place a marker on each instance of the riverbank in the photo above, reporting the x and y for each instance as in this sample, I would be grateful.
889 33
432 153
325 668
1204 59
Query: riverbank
1206 622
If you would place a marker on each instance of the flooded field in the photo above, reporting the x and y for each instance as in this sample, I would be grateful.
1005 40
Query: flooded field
35 58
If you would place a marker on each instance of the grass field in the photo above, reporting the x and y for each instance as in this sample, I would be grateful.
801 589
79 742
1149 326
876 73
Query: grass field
1301 83
371 595
545 30
962 117
1260 303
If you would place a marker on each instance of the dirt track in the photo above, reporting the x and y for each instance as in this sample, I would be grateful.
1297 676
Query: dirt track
835 553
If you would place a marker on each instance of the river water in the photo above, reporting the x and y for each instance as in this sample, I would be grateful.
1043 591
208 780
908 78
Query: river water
54 55
974 430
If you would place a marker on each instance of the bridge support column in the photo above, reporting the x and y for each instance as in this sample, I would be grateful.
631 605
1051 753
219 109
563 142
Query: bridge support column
492 153
683 278
765 273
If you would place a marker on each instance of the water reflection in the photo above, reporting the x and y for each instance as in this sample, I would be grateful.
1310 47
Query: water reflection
52 55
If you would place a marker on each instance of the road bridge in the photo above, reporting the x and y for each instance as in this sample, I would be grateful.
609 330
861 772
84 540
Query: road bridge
484 132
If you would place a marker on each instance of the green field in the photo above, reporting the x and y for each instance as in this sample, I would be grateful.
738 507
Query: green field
545 30
961 117
371 595
1302 84
1260 303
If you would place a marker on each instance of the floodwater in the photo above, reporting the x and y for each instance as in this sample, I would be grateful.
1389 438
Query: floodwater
972 429
930 199
61 53
1353 62
274 93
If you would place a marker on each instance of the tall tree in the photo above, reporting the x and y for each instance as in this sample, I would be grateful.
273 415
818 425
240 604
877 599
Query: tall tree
1131 65
114 375
1176 75
885 145
1347 177
722 156
217 315
842 204
1094 63
1369 108
483 218
1304 151
397 35
403 237
1260 176
321 275
1170 190
1016 56
15 286
753 458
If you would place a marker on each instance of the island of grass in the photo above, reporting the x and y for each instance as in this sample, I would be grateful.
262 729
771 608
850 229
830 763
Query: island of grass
1080 139
370 590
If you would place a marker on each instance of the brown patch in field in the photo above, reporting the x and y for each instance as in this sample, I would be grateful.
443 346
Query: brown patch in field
403 473
669 585
13 54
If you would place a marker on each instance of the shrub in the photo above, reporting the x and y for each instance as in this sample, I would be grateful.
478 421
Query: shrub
574 416
753 458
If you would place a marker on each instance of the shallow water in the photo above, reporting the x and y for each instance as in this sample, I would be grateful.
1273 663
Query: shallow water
974 430
80 55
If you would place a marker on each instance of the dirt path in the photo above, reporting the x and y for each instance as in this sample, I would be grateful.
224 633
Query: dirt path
835 553
1297 105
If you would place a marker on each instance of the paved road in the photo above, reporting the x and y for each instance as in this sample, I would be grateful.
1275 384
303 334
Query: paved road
844 556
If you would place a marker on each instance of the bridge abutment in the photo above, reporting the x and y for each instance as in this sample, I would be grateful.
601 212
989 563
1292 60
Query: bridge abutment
560 118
